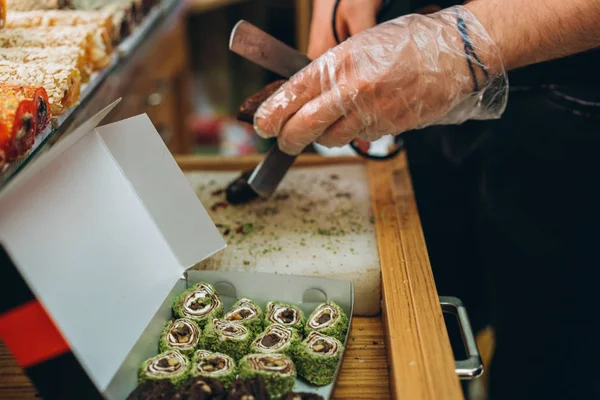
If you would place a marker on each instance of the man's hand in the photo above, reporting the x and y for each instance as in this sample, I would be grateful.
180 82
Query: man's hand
353 16
405 74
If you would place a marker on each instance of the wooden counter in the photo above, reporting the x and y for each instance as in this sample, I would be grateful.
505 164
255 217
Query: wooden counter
403 354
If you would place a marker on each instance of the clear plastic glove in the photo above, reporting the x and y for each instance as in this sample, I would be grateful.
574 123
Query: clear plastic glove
405 74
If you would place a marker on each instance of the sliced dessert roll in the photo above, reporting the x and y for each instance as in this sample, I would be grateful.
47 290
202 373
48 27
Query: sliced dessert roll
171 365
301 396
214 365
153 390
248 313
62 83
200 388
276 370
28 5
46 18
199 303
328 319
318 357
276 339
248 389
227 337
23 114
181 334
286 315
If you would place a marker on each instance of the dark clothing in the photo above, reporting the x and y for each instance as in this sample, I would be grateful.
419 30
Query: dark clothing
512 223
511 215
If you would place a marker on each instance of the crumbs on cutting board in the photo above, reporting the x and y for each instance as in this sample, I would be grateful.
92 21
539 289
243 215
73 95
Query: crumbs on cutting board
323 207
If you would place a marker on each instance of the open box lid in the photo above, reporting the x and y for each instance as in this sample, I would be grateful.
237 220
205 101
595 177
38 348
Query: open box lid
101 227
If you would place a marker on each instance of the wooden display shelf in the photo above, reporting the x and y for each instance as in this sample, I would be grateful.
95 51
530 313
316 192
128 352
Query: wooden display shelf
416 361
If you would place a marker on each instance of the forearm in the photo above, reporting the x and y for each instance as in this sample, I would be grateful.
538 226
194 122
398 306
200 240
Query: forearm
532 31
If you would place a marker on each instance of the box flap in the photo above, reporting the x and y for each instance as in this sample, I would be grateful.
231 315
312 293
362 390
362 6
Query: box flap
86 233
166 193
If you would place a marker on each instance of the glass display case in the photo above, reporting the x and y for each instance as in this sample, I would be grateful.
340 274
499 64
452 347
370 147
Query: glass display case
130 59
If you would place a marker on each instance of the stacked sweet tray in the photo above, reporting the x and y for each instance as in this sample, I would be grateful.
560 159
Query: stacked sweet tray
226 339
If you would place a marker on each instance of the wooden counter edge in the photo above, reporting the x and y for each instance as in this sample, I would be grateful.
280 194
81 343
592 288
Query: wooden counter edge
418 348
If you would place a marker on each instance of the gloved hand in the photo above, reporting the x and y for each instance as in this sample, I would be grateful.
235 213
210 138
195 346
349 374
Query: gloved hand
405 74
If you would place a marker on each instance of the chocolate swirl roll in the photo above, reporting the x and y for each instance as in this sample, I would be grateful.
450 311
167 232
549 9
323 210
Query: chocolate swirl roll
200 388
276 339
181 334
171 365
248 313
214 365
200 304
286 315
227 337
328 319
153 390
276 370
318 358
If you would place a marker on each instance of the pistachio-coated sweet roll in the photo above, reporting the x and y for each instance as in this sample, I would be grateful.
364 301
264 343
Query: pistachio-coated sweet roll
248 313
181 334
217 366
276 370
328 319
171 365
227 337
277 339
286 315
318 357
200 303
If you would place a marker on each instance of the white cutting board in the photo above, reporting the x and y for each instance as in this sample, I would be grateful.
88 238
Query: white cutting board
318 223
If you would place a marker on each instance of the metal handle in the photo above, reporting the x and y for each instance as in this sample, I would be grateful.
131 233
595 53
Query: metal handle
472 367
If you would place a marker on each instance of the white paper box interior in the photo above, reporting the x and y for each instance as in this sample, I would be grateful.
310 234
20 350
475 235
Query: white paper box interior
305 292
103 228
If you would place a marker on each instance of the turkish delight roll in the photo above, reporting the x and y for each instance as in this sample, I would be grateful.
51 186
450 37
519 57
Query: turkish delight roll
37 19
277 371
328 319
85 37
253 389
181 334
17 128
65 55
61 82
318 357
153 390
200 388
171 365
301 396
277 339
214 365
286 315
28 5
200 303
227 337
248 313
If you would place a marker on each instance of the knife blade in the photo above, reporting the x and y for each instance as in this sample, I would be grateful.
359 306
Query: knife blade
263 49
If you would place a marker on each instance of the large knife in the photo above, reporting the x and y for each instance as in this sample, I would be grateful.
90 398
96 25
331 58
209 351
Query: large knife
263 49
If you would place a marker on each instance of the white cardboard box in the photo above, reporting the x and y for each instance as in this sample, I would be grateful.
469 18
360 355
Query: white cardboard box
103 228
